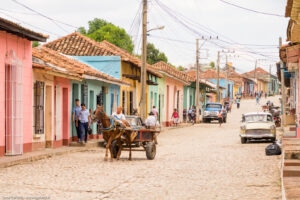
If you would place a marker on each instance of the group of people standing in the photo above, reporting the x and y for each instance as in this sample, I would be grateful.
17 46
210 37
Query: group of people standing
82 119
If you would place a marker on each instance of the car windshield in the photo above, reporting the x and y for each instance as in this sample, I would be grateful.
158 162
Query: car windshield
257 118
214 106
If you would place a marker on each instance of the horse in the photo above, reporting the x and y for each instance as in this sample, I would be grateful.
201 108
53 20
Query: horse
112 132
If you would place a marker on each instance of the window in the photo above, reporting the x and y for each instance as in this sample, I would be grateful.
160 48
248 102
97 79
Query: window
39 107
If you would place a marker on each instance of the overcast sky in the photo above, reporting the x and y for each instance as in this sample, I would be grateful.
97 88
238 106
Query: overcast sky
229 23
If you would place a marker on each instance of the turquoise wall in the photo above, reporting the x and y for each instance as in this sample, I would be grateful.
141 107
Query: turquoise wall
94 88
188 97
110 65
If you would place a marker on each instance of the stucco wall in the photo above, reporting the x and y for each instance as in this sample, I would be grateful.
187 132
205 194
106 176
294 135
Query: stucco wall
22 49
171 102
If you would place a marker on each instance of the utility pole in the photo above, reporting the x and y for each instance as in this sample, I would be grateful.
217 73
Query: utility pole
282 90
226 82
197 78
255 83
218 80
270 80
143 92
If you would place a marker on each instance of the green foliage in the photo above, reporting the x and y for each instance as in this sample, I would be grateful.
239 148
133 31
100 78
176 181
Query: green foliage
81 30
212 64
35 44
100 30
180 68
154 55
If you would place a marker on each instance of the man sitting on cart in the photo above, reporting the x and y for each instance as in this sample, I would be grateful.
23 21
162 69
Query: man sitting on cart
119 117
152 123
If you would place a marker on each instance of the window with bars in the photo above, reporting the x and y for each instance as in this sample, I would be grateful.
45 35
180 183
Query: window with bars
84 94
39 107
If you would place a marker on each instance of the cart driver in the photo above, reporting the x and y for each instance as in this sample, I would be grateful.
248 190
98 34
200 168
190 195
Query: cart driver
119 117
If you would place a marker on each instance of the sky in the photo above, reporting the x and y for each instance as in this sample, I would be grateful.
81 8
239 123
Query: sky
184 21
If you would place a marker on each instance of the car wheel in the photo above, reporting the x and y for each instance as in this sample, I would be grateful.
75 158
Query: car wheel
273 140
243 140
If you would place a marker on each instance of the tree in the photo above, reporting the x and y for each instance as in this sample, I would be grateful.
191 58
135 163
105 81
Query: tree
35 44
100 30
180 68
154 55
212 64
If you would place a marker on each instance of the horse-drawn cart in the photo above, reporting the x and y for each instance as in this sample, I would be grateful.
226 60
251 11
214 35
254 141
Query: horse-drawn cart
143 139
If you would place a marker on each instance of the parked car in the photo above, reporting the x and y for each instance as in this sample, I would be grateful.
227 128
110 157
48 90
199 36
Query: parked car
211 112
257 126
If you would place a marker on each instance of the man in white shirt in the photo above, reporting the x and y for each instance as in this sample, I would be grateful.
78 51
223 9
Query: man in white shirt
151 123
151 120
119 117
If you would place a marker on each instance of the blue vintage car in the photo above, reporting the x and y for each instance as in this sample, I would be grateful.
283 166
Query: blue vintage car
211 112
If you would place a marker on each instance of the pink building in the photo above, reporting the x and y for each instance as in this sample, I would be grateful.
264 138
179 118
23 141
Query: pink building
173 86
16 87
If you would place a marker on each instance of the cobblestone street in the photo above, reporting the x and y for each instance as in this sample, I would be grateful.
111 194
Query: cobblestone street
203 161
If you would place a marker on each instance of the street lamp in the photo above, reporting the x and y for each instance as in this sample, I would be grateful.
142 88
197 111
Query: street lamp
157 28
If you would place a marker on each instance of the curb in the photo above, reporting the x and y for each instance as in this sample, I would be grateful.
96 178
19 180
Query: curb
29 159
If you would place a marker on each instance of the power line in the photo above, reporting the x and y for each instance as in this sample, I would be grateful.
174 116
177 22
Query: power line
174 14
29 24
250 10
49 18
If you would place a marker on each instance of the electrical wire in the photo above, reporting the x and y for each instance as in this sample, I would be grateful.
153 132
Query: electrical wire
250 10
29 24
54 21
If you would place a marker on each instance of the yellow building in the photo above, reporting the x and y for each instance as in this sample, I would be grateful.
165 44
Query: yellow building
130 73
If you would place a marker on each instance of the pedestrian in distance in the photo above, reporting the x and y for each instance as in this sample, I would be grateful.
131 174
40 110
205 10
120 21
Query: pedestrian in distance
75 112
84 122
238 103
175 117
257 99
220 118
184 113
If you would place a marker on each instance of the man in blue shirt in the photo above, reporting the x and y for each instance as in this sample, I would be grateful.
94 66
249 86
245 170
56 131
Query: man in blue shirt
75 112
83 122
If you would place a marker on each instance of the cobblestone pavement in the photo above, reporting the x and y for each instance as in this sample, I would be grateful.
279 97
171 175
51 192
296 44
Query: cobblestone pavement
199 162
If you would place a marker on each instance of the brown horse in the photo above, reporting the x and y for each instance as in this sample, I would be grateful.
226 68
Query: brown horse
111 132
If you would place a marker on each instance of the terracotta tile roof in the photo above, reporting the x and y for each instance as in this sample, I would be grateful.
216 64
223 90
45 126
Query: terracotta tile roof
21 31
69 64
208 74
259 70
164 67
51 69
76 44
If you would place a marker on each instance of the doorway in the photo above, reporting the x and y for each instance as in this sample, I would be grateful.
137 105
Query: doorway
168 102
130 102
75 95
48 117
65 123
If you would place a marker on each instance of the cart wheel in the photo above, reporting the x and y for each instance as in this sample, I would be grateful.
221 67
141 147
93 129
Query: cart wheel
114 148
150 150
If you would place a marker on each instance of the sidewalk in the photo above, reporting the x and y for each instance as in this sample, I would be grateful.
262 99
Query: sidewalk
291 165
8 161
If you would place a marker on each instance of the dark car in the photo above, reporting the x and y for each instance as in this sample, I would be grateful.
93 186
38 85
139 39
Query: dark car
211 112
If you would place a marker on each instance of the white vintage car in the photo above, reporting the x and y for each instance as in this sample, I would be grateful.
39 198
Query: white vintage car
259 125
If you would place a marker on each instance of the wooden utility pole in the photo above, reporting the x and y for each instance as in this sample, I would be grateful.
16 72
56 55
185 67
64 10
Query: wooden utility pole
226 82
197 78
218 80
270 81
255 83
283 92
143 93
